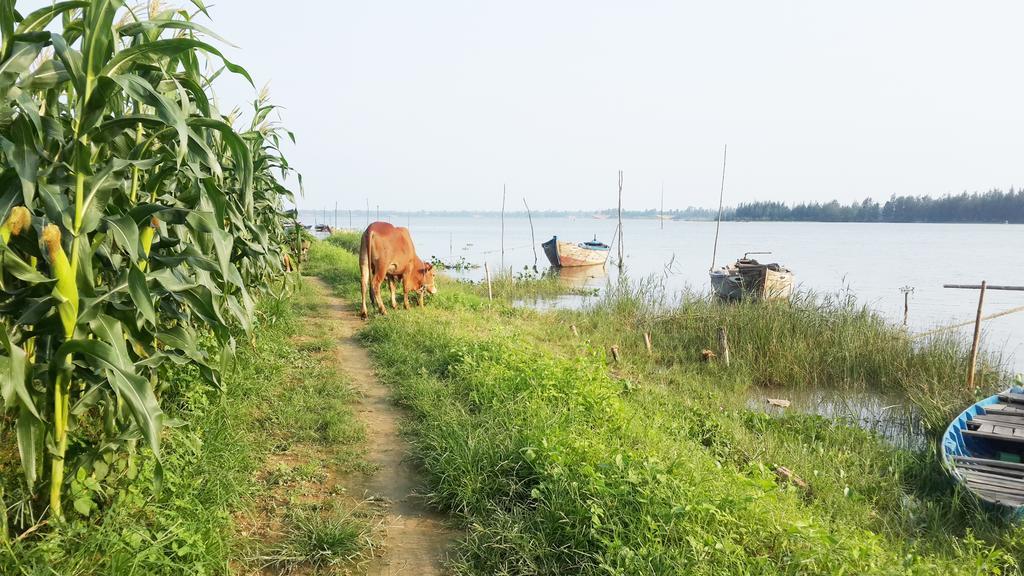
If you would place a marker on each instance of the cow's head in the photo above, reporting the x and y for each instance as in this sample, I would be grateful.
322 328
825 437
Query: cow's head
426 277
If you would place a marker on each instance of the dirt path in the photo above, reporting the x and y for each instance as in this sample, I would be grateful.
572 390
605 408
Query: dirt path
417 538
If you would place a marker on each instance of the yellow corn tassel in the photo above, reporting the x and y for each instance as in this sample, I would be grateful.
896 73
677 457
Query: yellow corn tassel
19 220
65 275
147 235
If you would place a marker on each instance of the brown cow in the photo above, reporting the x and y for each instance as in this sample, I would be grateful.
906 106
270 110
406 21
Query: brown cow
387 253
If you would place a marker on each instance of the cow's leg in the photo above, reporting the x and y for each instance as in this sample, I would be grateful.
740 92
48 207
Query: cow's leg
364 284
378 279
391 286
405 297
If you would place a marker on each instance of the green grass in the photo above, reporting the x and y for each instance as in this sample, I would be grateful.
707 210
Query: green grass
816 342
279 395
560 462
347 240
320 540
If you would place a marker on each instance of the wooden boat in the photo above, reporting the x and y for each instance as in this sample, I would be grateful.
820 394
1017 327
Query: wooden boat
565 254
983 450
748 278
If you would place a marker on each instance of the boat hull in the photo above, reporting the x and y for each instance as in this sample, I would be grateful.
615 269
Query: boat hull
972 456
567 255
730 283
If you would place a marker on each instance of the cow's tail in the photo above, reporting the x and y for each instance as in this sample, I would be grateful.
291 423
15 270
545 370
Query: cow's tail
365 272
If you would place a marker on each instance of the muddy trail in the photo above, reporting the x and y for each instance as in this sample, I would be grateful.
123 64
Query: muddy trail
417 539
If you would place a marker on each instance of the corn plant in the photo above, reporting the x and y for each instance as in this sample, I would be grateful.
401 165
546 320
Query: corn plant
134 215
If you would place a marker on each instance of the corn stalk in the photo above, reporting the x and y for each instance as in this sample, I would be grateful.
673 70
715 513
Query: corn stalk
134 215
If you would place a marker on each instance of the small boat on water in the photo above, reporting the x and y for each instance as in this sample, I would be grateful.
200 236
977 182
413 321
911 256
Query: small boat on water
983 449
566 254
748 278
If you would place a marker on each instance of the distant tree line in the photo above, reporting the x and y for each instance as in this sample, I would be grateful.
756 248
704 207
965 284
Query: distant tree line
992 206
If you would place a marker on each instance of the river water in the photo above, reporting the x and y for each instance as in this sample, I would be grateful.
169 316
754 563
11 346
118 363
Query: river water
873 261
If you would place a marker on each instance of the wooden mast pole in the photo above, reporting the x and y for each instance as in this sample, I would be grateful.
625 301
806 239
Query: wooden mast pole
721 195
533 240
621 252
503 226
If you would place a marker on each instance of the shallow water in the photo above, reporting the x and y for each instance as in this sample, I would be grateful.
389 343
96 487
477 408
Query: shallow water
873 261
894 419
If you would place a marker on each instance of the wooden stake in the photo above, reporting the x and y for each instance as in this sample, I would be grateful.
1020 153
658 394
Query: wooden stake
723 345
974 342
647 342
621 253
906 302
575 332
533 241
615 354
487 274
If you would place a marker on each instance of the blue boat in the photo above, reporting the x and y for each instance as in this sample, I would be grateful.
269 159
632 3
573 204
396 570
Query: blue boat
983 449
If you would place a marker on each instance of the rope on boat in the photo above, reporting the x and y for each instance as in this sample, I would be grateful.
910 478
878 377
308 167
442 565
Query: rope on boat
968 323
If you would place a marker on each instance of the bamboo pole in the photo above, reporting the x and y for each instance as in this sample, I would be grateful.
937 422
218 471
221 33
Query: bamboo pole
298 241
487 274
533 240
974 342
575 332
723 345
621 252
721 195
983 287
647 343
502 226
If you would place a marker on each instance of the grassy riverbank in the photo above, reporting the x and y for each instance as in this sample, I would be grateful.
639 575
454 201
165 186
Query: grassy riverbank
560 461
229 497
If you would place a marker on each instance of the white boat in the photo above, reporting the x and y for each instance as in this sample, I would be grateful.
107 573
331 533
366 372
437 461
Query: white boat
567 254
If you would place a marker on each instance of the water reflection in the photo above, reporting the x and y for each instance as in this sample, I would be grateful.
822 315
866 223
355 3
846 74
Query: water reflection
894 419
581 276
585 281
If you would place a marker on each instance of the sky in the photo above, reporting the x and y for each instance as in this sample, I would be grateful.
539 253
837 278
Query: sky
438 105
